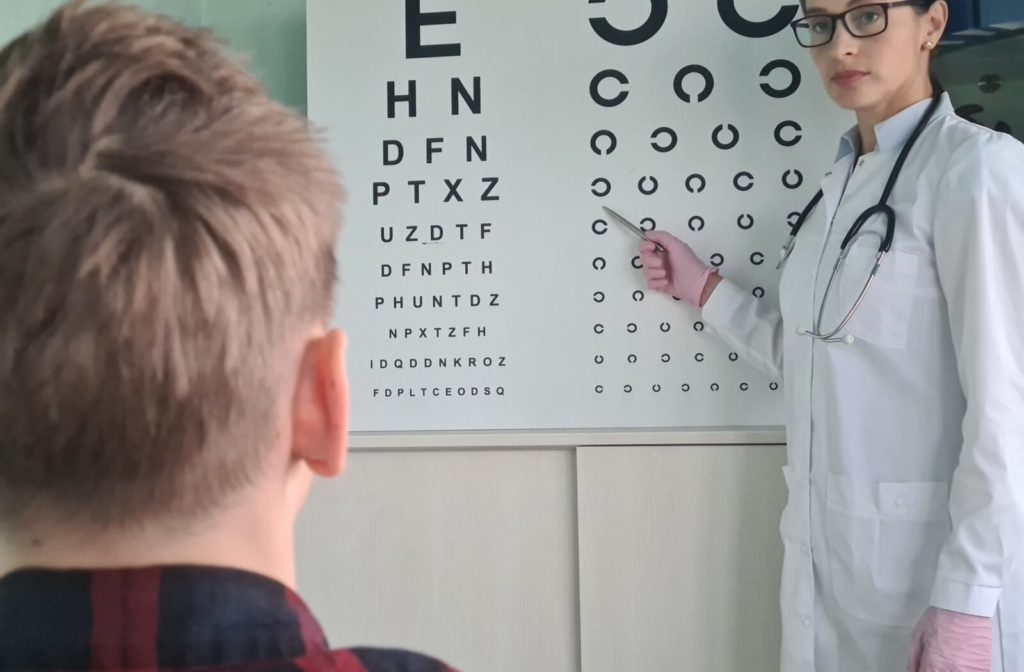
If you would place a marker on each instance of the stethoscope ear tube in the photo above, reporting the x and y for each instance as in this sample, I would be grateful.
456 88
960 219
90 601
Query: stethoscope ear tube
890 226
787 249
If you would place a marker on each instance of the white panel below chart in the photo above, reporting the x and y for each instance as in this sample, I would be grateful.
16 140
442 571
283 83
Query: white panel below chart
467 556
680 557
569 343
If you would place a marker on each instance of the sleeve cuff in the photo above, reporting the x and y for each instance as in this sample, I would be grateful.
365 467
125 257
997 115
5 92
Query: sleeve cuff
723 303
965 598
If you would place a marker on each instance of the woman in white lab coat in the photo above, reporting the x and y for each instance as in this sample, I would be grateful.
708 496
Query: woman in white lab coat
904 529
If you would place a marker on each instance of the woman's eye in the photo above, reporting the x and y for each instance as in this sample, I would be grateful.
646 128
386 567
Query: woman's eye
820 27
869 17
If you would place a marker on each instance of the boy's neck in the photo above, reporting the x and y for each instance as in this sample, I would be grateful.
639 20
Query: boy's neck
234 541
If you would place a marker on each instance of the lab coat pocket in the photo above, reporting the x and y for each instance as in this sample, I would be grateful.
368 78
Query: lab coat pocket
884 541
884 316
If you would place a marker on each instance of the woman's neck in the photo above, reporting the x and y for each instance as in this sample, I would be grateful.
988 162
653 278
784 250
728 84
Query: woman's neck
870 117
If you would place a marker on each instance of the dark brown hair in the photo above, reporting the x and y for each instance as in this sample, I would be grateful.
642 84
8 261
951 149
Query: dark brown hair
923 6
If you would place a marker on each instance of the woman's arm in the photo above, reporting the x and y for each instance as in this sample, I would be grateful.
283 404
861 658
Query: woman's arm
747 325
979 250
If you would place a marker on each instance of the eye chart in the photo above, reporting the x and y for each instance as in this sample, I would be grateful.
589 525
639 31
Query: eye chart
482 285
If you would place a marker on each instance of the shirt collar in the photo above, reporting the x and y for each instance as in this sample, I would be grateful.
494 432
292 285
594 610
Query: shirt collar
893 133
156 618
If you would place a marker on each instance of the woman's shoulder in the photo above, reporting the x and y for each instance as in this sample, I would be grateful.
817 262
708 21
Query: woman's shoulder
972 144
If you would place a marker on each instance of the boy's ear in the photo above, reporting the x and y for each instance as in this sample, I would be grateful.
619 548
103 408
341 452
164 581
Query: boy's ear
320 406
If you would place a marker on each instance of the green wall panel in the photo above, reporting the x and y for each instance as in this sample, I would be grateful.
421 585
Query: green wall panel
271 34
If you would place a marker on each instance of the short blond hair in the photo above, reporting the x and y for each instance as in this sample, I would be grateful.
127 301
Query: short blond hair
164 226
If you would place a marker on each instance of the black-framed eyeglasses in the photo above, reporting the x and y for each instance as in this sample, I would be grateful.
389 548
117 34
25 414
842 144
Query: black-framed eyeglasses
862 21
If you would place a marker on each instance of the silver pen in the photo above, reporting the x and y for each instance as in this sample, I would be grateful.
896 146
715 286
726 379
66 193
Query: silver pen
631 227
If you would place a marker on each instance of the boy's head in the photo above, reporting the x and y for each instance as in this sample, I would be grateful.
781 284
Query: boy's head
167 240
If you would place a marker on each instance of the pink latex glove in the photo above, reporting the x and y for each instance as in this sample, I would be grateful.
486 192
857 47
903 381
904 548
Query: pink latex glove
947 641
676 271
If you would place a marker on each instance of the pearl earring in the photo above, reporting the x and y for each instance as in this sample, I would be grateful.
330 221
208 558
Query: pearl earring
929 45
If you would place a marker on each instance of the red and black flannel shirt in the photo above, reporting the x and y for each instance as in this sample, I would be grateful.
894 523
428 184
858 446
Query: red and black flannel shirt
171 619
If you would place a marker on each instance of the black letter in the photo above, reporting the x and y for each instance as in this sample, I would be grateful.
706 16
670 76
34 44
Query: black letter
401 152
696 177
491 183
480 150
416 184
740 26
673 139
629 38
722 144
743 176
709 83
644 181
459 89
414 22
453 190
794 73
792 141
431 149
408 98
600 77
612 142
795 182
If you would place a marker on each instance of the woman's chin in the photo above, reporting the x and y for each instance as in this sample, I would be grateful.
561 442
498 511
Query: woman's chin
850 98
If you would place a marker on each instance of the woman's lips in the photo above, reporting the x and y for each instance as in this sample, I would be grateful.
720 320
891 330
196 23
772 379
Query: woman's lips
849 77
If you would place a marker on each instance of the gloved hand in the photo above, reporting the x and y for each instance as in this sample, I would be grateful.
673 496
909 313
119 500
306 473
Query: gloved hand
947 641
676 271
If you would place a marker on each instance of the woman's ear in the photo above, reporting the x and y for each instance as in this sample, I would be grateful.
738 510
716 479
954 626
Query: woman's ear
936 20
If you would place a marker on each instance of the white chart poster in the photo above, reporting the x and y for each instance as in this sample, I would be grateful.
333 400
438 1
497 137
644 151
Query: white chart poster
483 288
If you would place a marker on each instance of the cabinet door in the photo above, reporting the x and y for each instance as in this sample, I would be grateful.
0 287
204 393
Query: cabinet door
680 557
468 556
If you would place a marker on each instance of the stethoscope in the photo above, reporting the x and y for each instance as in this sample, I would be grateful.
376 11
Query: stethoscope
881 208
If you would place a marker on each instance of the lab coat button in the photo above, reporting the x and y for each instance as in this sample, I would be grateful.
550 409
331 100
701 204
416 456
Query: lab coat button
807 622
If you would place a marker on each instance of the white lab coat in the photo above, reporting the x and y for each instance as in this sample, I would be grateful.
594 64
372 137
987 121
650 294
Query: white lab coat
906 448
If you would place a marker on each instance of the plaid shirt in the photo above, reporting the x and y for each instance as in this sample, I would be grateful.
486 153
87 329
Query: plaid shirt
171 619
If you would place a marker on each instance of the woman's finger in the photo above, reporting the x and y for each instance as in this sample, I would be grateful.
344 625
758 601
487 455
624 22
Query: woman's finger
652 261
